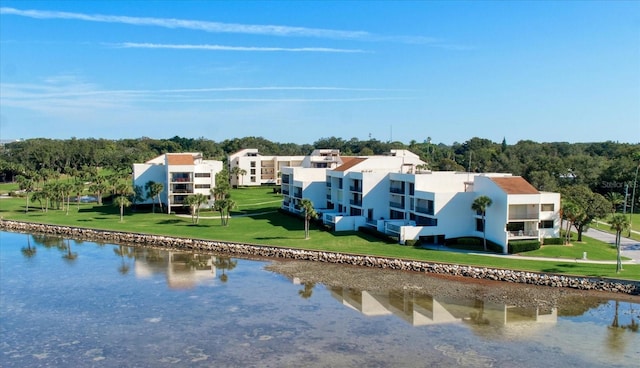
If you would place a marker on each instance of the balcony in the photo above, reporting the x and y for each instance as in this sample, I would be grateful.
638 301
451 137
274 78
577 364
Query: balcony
396 204
523 216
396 190
355 188
355 202
425 210
524 234
297 193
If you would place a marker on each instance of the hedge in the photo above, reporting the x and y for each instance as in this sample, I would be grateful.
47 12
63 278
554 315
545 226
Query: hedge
553 241
519 246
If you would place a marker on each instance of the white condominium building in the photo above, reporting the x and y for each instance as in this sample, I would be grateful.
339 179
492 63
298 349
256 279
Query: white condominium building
181 174
393 195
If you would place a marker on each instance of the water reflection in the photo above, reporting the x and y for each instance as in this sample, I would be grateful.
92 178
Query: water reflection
422 310
115 305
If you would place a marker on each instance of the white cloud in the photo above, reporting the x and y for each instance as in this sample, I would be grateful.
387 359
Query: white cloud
233 48
214 27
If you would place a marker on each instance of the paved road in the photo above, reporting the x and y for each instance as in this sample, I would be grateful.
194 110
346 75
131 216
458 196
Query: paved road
630 248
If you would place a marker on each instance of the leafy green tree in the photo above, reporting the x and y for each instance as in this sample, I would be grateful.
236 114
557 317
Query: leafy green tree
309 213
154 189
619 223
590 206
480 205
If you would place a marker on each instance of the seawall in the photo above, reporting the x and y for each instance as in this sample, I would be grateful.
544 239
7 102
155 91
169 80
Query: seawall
201 245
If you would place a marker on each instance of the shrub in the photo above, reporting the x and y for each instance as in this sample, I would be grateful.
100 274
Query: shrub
473 242
553 241
519 246
413 243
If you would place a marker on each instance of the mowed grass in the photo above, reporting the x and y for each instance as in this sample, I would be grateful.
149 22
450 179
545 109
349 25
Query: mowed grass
257 221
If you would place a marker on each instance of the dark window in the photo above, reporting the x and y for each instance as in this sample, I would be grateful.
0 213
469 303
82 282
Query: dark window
203 186
479 225
202 175
546 207
546 224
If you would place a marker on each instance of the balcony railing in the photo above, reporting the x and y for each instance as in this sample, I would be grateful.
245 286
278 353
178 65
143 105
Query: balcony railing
396 190
396 204
524 216
355 189
355 202
523 234
425 210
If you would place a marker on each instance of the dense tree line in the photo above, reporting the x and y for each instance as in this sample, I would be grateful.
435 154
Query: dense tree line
603 167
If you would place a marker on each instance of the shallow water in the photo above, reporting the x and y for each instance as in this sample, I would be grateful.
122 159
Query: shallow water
66 303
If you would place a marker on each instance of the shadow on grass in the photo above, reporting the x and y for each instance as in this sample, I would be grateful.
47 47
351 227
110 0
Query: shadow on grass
171 222
560 269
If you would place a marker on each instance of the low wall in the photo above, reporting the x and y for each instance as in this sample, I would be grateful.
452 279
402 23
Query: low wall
200 245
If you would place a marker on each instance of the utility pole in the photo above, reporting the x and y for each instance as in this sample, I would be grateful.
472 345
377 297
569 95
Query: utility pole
633 198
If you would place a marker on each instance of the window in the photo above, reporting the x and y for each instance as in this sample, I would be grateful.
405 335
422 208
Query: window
253 179
253 171
253 164
546 224
203 186
202 175
547 207
479 225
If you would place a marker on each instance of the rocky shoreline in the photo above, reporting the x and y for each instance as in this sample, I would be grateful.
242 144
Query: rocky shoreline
251 250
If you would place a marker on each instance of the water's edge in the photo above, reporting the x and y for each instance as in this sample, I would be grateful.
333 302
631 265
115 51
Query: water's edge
167 242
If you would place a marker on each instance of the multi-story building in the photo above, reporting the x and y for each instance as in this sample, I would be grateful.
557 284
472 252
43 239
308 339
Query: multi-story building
394 195
259 169
181 174
267 170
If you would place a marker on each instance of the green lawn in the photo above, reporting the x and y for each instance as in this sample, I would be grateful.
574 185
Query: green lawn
268 227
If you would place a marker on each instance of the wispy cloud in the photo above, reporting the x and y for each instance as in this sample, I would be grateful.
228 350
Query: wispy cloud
233 48
254 29
65 94
214 27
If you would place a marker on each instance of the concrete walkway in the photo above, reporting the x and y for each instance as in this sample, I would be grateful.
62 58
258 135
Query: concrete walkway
630 249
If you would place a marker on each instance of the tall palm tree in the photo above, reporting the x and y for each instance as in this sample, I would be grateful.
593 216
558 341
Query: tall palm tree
619 223
615 199
230 204
309 213
122 192
570 213
191 202
480 205
27 185
238 172
154 189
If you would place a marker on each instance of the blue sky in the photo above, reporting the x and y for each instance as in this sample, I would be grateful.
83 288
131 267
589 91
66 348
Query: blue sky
298 71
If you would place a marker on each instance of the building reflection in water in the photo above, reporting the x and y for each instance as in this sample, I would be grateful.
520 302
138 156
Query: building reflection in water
421 310
182 270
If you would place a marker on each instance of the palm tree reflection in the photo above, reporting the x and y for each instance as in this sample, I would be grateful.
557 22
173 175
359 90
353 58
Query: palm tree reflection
225 263
29 251
307 291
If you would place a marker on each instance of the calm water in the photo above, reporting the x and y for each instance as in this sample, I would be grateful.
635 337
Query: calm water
81 304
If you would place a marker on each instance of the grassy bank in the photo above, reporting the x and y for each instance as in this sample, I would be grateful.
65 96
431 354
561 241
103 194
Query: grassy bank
256 221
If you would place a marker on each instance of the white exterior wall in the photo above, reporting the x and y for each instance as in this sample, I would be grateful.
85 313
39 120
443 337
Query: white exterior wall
266 168
547 198
497 215
143 173
159 171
